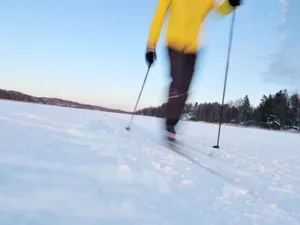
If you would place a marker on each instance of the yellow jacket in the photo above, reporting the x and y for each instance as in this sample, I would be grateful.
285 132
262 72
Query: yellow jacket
185 20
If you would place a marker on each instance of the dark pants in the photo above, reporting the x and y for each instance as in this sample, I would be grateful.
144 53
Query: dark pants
182 66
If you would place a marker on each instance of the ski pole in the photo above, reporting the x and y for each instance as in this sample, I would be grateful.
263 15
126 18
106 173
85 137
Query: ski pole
128 127
226 74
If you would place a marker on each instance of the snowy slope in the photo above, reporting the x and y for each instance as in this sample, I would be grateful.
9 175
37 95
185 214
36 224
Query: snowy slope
71 166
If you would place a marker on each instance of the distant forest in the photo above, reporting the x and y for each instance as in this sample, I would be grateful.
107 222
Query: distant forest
275 111
19 96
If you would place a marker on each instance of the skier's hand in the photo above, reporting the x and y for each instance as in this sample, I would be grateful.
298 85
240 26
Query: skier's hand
150 56
235 3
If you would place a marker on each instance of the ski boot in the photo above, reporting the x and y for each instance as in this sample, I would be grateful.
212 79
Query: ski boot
170 133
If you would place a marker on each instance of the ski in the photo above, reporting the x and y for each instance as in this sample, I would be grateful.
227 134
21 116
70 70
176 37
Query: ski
178 149
183 151
211 153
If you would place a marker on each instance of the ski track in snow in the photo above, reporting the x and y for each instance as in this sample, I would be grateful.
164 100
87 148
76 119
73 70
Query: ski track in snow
72 166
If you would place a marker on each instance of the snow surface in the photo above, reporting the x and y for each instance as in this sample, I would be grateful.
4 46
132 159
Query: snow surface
72 166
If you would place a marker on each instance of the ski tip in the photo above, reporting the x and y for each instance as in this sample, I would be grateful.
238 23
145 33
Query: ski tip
216 146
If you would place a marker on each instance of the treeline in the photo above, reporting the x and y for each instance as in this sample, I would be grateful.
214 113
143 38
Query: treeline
277 111
19 96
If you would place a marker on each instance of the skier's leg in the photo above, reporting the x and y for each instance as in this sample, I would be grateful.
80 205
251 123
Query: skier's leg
181 71
176 70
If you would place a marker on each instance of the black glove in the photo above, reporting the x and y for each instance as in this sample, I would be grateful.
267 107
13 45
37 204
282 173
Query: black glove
150 57
235 3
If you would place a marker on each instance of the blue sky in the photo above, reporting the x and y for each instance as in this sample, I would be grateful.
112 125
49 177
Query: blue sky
92 51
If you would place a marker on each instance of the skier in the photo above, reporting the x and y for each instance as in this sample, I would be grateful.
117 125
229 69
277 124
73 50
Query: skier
185 20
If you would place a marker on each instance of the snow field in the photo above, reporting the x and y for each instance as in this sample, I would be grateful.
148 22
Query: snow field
72 166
